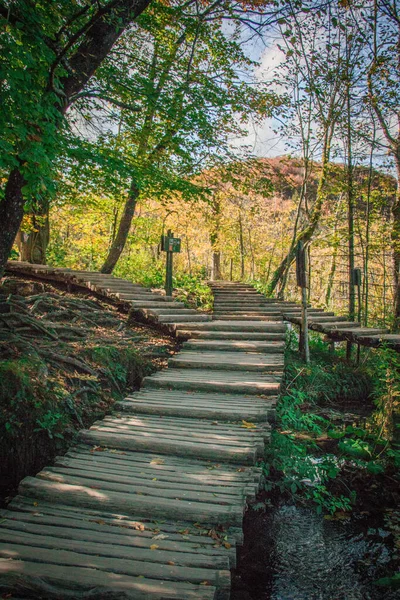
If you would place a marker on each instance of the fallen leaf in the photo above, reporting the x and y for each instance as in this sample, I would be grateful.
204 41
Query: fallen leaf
227 545
98 521
248 425
171 562
157 461
98 449
153 547
204 583
36 504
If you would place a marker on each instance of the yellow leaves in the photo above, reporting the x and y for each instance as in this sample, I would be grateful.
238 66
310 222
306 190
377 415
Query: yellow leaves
153 547
248 425
227 545
36 504
157 461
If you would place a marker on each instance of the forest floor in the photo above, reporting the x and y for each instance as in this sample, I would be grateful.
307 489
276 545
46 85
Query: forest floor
64 360
328 525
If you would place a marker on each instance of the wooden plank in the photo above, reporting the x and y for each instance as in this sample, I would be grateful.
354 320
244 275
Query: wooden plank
198 410
226 381
183 333
214 429
48 537
118 483
218 489
244 361
375 339
131 504
244 454
75 582
170 462
62 528
235 346
83 518
243 326
185 396
36 553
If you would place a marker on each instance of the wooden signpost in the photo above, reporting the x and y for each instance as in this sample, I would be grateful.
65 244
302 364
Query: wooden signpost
169 244
302 282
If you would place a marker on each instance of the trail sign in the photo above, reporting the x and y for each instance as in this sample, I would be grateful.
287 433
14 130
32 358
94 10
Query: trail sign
170 244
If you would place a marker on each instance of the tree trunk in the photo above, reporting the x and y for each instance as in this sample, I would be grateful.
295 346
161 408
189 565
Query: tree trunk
216 266
307 233
396 255
119 241
32 245
11 213
241 241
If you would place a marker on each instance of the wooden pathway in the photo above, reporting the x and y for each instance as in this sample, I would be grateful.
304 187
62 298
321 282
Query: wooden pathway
149 503
340 329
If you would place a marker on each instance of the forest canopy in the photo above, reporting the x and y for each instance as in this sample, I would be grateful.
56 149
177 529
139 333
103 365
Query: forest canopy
123 117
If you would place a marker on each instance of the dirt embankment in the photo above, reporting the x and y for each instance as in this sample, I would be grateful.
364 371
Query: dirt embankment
64 360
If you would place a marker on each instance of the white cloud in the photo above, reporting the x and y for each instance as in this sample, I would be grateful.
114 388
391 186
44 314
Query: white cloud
262 139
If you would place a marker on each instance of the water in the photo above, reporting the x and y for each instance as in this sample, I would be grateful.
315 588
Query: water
292 553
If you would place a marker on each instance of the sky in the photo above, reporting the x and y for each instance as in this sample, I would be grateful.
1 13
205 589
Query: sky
261 140
266 143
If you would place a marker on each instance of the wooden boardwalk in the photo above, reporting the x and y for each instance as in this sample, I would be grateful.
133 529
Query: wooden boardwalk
149 503
340 329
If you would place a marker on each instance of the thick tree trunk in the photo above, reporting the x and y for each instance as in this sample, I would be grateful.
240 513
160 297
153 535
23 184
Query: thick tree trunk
216 266
11 213
123 230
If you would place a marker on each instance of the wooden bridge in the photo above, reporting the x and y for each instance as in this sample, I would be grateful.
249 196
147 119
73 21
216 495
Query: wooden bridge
149 503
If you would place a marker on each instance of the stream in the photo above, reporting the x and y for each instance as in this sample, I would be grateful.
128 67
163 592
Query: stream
292 553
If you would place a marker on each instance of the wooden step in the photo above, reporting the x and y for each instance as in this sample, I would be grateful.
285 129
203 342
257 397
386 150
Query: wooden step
88 494
183 333
242 361
45 552
231 345
244 326
156 304
221 407
247 317
236 382
180 318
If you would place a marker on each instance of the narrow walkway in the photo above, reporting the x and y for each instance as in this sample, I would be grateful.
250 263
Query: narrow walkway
149 503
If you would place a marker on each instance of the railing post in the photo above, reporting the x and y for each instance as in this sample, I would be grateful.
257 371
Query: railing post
301 275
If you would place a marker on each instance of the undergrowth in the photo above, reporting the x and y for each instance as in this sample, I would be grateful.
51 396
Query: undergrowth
192 289
334 419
